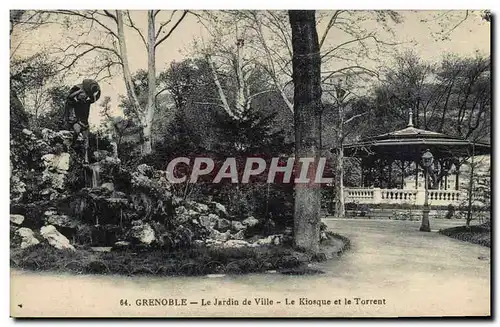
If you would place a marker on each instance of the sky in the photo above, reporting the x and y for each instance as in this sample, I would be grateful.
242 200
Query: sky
416 32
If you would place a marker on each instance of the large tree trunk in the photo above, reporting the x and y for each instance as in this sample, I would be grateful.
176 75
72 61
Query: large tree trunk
151 105
127 76
307 120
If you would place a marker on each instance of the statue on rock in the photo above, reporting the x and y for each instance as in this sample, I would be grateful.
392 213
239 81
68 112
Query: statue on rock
77 110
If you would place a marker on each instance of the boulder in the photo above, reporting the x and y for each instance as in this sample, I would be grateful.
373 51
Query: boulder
250 221
277 239
218 236
55 239
213 243
109 186
240 235
27 132
219 209
198 207
238 226
236 244
144 169
270 240
57 162
208 221
48 134
16 219
56 168
17 187
61 137
264 241
192 213
27 237
222 224
141 233
52 218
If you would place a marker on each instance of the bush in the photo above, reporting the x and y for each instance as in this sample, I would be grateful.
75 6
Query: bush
185 261
478 234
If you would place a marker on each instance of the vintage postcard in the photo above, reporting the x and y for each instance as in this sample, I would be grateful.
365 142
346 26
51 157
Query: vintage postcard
250 163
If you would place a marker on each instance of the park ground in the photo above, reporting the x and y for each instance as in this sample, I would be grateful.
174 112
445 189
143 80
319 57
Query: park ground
406 272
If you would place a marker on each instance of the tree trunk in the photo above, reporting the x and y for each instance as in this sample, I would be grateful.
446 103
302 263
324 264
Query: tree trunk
339 192
150 110
240 96
220 91
339 166
470 189
307 120
129 84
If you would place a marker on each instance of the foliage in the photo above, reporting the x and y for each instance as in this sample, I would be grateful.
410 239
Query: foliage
478 234
452 95
30 79
54 118
193 261
197 261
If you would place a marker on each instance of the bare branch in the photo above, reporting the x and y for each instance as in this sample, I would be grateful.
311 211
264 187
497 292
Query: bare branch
364 69
111 16
91 18
172 29
458 24
259 93
162 25
329 26
132 25
354 117
370 36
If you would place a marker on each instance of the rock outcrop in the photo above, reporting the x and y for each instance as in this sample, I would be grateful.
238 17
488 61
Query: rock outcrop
141 233
17 219
27 236
55 239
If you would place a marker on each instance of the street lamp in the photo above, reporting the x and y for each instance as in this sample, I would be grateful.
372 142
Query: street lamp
427 160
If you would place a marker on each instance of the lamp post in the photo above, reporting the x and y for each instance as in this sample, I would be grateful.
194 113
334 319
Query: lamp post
427 160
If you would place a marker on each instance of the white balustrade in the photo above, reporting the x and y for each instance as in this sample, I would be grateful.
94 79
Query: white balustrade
360 195
444 197
400 196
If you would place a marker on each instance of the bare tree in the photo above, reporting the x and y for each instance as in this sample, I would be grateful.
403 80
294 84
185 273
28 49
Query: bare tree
273 43
343 118
229 54
105 42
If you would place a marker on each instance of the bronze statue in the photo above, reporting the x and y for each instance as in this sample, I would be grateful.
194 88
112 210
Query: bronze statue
77 110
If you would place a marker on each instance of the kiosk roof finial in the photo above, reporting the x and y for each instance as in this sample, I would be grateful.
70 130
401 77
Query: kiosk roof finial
410 122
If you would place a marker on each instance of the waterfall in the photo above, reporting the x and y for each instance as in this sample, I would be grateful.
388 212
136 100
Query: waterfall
95 175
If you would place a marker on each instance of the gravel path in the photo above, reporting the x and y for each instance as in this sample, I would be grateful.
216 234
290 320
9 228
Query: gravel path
392 269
